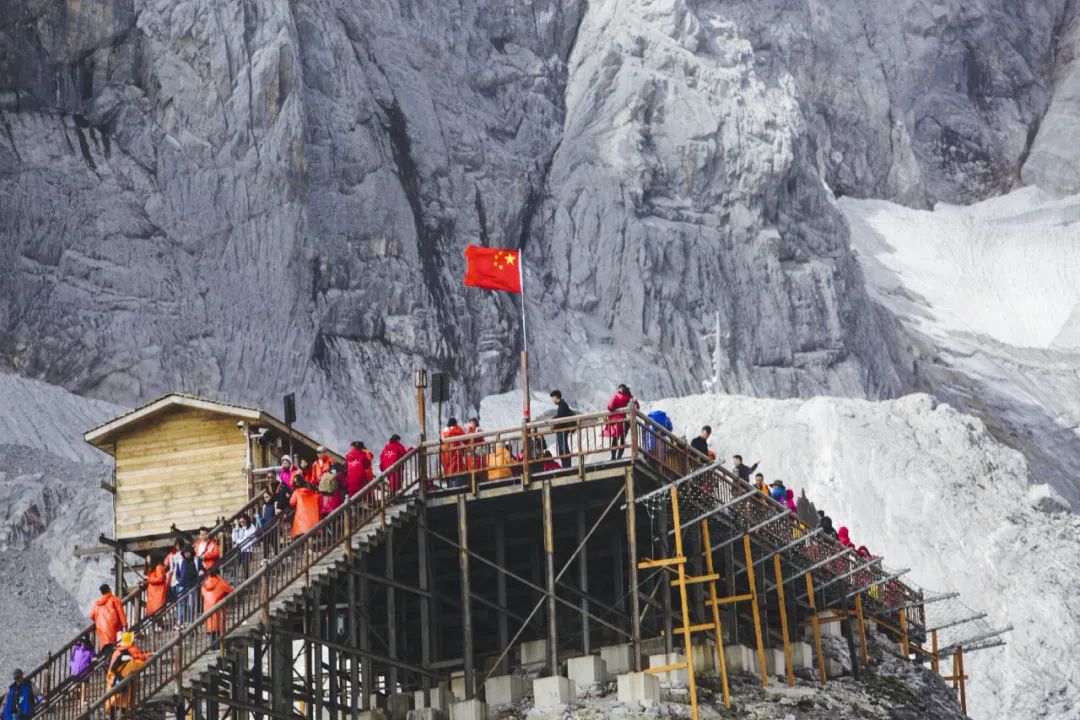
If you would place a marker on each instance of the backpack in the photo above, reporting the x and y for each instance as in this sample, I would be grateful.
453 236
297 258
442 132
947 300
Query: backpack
329 484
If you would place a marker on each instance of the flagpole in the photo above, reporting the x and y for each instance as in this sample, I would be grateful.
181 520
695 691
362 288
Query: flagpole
524 340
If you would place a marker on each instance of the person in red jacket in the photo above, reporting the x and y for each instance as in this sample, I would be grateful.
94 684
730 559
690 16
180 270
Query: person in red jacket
452 455
617 427
108 617
207 549
357 467
214 590
391 453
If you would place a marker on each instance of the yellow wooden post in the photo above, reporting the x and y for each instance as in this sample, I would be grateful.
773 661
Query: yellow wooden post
963 679
905 644
955 673
934 647
682 597
754 605
718 628
789 671
817 628
862 628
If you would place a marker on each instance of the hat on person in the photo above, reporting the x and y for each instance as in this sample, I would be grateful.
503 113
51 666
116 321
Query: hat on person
776 483
286 459
321 448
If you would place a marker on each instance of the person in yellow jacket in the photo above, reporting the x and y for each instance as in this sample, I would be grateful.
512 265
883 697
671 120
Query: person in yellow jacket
499 462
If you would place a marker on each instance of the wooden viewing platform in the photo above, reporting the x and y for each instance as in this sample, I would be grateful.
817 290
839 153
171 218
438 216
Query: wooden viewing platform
437 570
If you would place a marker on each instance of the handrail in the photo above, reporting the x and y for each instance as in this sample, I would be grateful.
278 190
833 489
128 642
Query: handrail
239 607
60 683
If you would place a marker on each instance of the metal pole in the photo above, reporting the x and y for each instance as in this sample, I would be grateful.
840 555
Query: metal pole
632 555
583 581
466 599
391 609
500 592
527 407
549 567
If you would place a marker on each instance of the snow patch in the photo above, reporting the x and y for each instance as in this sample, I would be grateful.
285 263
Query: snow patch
1006 267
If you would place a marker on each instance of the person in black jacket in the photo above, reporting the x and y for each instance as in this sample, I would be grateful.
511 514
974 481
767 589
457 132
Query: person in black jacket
744 471
562 436
701 442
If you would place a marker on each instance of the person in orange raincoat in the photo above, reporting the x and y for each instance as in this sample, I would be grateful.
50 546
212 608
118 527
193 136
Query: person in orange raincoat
126 660
108 617
156 584
322 463
306 501
214 590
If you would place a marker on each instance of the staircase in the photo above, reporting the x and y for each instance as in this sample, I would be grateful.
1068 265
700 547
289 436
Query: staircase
280 572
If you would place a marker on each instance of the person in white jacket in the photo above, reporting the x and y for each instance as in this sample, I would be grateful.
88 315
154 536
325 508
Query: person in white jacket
243 537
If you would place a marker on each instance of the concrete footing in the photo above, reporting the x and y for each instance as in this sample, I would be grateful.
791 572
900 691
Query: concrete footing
504 690
424 714
638 687
802 655
469 710
398 706
704 657
553 691
619 658
586 671
674 677
440 699
534 653
372 715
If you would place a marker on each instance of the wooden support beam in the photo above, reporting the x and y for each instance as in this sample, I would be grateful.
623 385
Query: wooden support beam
817 627
789 670
762 666
862 631
583 580
632 554
962 678
935 662
549 578
466 597
711 577
714 606
905 643
502 627
684 600
423 579
391 606
730 599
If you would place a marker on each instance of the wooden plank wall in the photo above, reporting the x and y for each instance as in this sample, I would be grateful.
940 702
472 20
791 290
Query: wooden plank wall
182 466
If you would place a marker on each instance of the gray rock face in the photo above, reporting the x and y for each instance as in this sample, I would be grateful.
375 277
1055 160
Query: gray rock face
246 198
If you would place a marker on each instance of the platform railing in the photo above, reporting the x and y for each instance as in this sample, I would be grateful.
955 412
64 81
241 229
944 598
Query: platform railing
249 601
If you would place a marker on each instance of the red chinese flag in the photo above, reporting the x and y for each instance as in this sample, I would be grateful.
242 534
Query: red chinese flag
493 268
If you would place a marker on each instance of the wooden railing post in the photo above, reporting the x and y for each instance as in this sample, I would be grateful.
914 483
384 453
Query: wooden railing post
178 661
264 600
525 453
632 421
46 683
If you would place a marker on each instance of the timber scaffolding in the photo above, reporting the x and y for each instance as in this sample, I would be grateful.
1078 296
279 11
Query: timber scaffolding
410 585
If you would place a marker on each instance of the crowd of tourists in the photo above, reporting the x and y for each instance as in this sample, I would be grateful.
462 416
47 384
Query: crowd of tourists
309 492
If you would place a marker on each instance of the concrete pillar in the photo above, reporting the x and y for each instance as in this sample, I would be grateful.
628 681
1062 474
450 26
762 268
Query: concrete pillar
469 710
504 690
586 671
618 658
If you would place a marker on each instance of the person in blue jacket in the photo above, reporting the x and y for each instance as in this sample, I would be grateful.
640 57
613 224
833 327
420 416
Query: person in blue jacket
20 698
778 492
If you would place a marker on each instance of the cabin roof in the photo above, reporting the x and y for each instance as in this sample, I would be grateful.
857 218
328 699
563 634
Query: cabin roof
101 436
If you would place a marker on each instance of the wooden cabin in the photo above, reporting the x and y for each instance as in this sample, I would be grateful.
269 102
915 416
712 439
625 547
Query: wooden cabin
183 461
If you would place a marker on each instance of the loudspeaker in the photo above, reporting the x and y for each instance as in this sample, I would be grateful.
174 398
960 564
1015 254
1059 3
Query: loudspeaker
440 387
290 408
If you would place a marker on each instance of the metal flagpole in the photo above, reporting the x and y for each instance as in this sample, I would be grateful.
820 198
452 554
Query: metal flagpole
524 340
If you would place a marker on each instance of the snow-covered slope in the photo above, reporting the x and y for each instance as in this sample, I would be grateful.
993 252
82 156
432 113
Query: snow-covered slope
990 298
928 488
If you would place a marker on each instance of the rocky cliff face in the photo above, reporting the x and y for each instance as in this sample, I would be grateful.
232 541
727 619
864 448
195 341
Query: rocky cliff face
250 197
